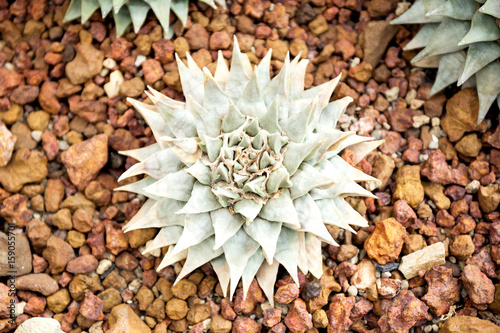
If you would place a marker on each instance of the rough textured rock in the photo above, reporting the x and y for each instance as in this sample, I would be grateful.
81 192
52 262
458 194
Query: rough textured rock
424 259
479 287
443 290
22 254
466 324
58 253
25 167
403 312
377 35
123 319
85 159
86 64
41 283
408 185
385 243
297 318
339 312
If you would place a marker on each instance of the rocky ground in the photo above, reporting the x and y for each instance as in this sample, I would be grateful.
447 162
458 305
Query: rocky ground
431 252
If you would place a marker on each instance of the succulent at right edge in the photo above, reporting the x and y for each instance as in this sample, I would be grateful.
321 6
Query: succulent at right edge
461 38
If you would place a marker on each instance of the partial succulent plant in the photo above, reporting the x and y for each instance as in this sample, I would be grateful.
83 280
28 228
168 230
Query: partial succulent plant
126 12
247 172
461 38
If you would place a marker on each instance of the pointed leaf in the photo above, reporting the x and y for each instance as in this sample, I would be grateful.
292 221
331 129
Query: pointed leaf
187 150
266 233
248 208
311 220
197 228
225 225
307 178
177 185
280 209
198 255
202 200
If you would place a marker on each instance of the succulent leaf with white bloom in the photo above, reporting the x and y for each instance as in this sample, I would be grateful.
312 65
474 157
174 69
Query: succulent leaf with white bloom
247 172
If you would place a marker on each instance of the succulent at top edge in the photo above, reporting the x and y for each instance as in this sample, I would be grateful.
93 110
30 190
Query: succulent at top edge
461 38
246 173
126 12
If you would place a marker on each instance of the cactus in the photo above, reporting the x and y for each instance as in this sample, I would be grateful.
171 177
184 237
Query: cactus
460 38
126 12
246 173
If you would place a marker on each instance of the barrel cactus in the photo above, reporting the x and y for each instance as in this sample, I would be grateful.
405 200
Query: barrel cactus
126 12
461 38
246 173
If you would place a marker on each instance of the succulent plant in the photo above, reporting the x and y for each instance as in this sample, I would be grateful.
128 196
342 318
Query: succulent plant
461 38
126 12
246 173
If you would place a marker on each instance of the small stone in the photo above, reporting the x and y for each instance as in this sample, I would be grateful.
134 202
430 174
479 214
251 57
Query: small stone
402 313
80 284
489 198
54 194
123 319
377 35
469 145
7 142
462 247
12 115
443 290
84 160
184 289
59 301
245 325
385 243
388 288
479 287
287 293
132 88
403 213
152 71
91 307
23 263
58 253
361 72
48 97
339 312
436 193
113 86
382 170
271 317
87 63
461 324
41 283
26 167
14 209
319 25
111 297
220 325
40 325
196 37
423 259
82 264
408 185
365 276
24 94
62 219
198 313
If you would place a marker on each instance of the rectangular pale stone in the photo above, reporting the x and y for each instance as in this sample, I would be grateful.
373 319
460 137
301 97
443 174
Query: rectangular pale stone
424 259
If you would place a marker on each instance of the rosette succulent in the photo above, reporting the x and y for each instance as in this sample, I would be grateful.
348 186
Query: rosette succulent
246 173
461 38
126 12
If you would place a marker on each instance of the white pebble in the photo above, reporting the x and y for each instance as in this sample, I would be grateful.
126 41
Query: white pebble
134 285
423 158
103 266
452 259
428 329
435 327
392 94
109 63
435 122
113 86
386 125
433 145
377 274
386 274
405 284
352 291
104 72
36 135
139 60
473 186
63 145
420 120
463 293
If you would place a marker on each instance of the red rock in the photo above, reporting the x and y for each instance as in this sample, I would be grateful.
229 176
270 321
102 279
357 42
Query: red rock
50 146
14 209
402 312
271 317
84 160
226 310
24 94
360 309
197 37
391 144
437 170
220 40
48 99
254 296
41 283
388 288
403 213
9 80
443 290
35 306
297 318
339 312
479 288
386 242
86 64
119 49
287 293
245 325
91 307
82 264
